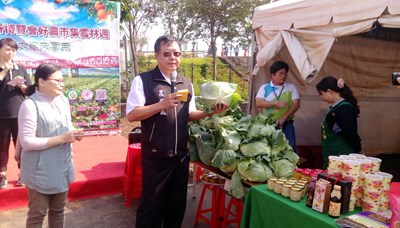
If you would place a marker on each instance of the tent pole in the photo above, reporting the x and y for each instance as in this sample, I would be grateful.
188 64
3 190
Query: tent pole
251 85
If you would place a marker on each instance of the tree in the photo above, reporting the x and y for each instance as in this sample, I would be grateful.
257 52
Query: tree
136 15
218 18
177 20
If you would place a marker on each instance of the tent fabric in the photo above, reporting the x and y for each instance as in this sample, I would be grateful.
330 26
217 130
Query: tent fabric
285 14
318 38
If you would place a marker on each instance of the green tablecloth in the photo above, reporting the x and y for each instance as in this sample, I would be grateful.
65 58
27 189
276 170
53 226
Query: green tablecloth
265 208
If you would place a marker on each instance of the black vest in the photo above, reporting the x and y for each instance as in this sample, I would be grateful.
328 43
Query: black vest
158 131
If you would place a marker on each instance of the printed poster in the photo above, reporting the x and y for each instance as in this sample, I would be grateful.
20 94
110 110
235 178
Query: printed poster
82 37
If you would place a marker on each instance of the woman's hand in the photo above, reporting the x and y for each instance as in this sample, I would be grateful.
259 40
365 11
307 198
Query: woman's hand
78 134
17 157
8 66
68 137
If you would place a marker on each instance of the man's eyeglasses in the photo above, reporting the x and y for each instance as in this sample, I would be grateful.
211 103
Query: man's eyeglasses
168 54
58 81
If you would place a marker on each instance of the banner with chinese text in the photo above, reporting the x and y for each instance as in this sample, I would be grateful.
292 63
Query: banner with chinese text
82 37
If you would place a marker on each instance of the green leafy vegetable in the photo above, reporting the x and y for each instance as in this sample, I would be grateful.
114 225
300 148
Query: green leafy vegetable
225 160
254 170
282 168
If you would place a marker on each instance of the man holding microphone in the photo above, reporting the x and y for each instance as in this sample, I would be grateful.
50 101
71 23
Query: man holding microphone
164 117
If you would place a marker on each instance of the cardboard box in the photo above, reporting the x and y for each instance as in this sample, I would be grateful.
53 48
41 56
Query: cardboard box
345 190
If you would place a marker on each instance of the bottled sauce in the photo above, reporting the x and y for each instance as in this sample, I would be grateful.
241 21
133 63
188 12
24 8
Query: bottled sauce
310 192
335 202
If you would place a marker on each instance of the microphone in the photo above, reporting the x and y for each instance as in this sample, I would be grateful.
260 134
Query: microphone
10 70
173 77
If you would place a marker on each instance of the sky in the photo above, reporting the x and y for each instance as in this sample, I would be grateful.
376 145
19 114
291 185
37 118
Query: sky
156 31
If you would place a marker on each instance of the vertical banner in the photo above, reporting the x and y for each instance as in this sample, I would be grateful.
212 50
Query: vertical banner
80 36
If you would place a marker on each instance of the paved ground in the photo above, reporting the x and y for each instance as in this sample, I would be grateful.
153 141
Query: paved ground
103 212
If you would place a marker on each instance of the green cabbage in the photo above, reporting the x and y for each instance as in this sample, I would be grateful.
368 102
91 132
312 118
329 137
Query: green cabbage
255 148
232 139
236 188
212 92
254 170
225 160
205 147
282 168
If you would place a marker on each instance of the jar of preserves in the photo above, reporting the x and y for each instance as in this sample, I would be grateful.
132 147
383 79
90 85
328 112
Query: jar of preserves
278 186
295 193
285 191
271 183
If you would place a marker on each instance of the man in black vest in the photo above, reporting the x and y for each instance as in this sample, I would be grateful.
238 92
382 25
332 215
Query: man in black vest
165 136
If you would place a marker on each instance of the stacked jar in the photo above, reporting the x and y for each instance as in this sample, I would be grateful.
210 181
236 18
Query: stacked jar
290 188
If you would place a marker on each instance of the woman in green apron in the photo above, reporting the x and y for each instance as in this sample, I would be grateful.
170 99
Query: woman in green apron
339 126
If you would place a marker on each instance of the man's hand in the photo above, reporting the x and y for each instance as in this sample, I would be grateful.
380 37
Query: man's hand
170 101
279 122
220 107
281 104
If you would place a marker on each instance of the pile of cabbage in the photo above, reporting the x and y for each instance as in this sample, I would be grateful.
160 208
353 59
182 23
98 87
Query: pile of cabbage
249 146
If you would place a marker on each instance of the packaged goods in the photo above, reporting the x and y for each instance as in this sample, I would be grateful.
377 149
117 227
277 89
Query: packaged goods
345 190
310 192
365 219
321 195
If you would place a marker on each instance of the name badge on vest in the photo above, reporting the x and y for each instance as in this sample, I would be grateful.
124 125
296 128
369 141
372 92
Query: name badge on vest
161 97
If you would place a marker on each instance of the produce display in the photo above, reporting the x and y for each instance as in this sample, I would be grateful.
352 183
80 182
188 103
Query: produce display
248 146
212 178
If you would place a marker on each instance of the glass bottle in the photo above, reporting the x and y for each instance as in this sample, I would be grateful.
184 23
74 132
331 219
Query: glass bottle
335 202
310 192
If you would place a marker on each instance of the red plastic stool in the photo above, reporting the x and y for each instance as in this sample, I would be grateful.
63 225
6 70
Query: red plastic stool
217 208
237 214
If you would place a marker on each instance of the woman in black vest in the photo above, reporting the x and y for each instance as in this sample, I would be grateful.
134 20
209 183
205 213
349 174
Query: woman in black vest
11 98
339 126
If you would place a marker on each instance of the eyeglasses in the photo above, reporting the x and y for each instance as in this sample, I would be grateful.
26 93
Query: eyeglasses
168 54
58 81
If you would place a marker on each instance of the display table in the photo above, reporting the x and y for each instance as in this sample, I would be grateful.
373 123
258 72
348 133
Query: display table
265 208
132 179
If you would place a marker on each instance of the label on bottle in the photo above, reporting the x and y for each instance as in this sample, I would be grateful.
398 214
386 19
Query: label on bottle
334 209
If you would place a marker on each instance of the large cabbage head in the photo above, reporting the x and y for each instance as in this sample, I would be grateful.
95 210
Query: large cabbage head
255 148
282 168
253 170
212 92
225 160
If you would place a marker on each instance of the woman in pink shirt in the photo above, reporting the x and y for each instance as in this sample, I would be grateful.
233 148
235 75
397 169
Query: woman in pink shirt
46 134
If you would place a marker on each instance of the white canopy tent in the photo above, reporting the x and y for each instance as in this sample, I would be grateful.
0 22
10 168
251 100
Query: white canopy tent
333 37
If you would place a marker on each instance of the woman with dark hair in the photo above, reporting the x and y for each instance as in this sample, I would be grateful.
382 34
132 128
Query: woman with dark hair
339 126
11 98
46 134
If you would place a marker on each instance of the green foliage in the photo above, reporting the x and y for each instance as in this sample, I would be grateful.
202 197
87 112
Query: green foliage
201 68
203 71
